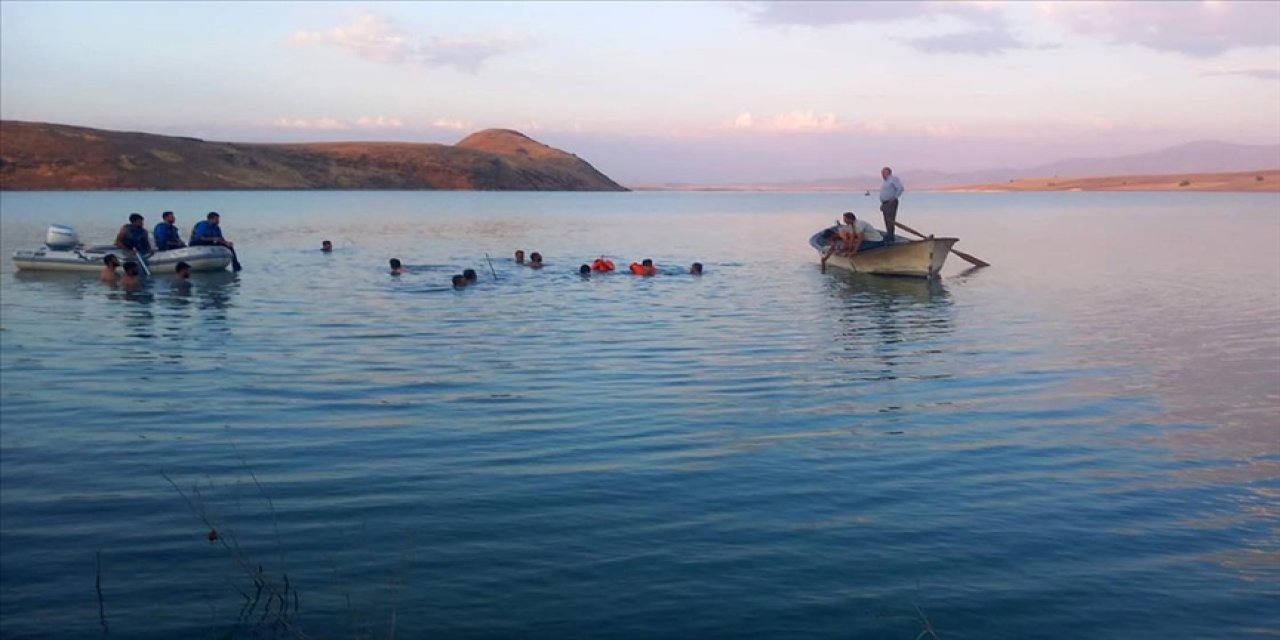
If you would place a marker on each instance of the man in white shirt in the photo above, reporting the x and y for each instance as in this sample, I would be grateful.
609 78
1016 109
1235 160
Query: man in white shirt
853 236
890 191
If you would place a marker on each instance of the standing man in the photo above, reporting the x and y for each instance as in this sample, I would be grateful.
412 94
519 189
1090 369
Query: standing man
890 191
166 234
208 232
133 236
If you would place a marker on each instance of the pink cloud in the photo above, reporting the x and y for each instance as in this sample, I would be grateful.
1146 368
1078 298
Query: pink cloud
1199 29
445 123
1271 72
334 124
381 40
988 33
792 121
309 123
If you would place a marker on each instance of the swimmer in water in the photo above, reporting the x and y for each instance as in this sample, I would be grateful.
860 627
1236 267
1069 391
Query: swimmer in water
109 264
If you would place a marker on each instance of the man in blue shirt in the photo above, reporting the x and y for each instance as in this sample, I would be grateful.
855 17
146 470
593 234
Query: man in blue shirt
890 191
208 232
167 235
133 236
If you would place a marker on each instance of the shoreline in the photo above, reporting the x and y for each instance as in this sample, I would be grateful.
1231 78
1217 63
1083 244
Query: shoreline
1236 181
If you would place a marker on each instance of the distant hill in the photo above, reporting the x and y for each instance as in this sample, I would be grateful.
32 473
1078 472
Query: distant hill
1192 158
37 155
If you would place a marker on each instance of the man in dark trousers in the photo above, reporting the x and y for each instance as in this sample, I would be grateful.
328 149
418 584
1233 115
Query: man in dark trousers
890 191
207 231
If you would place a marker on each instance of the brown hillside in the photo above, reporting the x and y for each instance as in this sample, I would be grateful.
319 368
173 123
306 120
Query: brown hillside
505 142
51 156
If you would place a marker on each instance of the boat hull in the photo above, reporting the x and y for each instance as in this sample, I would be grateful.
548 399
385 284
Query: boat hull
201 258
912 258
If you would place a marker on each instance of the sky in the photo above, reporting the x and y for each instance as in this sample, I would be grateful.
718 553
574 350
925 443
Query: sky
651 92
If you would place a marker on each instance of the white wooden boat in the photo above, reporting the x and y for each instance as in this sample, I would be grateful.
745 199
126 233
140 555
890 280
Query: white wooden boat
915 258
64 252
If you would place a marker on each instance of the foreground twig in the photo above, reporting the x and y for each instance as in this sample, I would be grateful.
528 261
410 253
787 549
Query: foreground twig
277 605
97 586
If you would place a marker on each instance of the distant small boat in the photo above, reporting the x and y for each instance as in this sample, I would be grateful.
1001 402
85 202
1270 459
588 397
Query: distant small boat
915 258
63 252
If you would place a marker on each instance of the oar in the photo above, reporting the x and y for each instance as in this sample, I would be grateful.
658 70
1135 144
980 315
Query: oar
142 262
235 261
495 273
977 262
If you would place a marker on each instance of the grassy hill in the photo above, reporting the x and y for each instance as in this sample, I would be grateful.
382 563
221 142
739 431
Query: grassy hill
42 156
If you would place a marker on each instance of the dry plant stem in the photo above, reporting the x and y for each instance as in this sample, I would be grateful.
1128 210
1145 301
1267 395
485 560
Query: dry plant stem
230 544
97 585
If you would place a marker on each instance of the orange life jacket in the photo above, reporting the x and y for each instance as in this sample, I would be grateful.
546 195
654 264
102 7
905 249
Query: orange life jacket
602 265
642 270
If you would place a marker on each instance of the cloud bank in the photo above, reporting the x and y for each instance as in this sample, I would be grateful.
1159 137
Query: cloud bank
1202 29
379 39
790 122
1199 29
335 124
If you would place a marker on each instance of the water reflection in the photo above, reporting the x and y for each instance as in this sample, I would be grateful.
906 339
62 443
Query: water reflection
68 283
216 290
886 327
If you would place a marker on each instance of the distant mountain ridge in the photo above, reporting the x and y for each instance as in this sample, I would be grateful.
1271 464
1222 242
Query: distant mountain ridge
1194 157
35 155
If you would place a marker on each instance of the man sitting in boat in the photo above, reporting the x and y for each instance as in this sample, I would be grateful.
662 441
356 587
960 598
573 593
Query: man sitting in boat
208 232
853 236
133 236
167 234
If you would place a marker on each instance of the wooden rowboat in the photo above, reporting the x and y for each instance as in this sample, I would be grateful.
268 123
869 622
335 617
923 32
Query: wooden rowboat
915 258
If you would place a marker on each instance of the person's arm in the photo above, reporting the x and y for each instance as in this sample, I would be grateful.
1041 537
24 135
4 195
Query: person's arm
831 248
855 243
122 238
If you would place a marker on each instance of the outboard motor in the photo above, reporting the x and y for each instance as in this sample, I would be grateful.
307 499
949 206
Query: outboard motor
60 237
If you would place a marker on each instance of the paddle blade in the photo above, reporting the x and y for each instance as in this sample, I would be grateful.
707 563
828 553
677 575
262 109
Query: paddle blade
970 259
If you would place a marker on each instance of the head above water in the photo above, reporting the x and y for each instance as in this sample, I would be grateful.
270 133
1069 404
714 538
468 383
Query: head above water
182 269
696 268
111 260
646 262
519 255
395 263
459 281
535 257
469 274
326 246
584 270
131 268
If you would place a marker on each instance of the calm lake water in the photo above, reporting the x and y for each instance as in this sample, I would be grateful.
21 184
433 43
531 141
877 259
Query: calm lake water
1082 441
